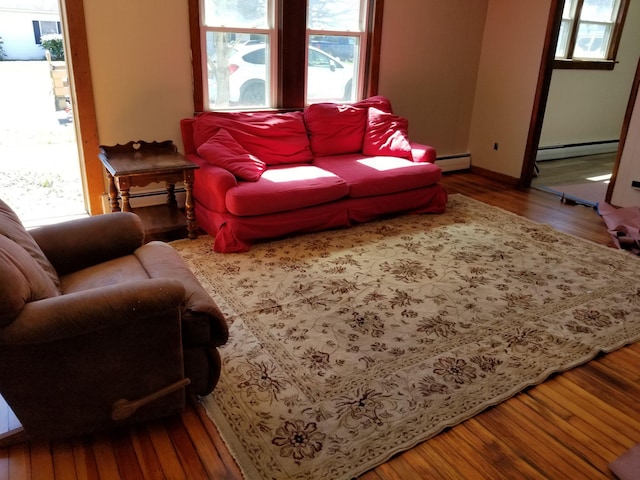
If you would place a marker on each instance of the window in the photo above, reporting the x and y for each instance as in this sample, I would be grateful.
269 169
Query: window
336 28
239 38
251 55
44 27
590 33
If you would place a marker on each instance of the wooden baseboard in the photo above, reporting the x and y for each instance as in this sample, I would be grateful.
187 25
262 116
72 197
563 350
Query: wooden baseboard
13 437
500 177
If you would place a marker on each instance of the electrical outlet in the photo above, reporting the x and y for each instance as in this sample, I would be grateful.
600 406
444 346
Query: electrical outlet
635 183
495 146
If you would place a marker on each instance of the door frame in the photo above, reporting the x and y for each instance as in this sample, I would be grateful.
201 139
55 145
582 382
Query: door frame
542 93
85 122
540 104
633 97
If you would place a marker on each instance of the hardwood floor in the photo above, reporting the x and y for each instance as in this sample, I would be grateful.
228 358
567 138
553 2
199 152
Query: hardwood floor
570 171
569 427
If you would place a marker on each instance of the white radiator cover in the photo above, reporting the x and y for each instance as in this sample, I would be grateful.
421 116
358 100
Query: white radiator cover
454 162
576 150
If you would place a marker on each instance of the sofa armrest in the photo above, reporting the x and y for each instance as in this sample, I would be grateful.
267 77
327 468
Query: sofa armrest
212 184
77 244
422 153
81 313
186 131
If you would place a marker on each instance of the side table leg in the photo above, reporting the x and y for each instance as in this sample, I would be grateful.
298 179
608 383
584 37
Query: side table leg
192 227
113 194
124 185
124 193
171 195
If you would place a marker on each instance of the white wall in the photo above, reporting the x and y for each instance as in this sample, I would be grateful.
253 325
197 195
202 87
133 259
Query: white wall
463 83
464 73
512 47
140 58
589 105
428 67
141 67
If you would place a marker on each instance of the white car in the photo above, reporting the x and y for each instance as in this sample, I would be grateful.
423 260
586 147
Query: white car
329 79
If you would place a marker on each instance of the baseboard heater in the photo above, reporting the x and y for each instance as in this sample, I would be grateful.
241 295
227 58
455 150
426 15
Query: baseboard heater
554 152
451 163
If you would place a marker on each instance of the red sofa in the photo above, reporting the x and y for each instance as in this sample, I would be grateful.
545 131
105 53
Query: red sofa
265 175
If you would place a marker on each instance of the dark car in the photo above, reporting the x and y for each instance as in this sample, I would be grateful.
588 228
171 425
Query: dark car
337 46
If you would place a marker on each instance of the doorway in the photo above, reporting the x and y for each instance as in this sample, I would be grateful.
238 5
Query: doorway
573 144
40 167
581 179
41 174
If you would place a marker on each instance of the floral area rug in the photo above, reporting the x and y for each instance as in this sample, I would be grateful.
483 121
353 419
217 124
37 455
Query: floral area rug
352 345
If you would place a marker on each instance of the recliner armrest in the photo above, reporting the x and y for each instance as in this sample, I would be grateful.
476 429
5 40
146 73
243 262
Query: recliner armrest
77 244
67 361
81 313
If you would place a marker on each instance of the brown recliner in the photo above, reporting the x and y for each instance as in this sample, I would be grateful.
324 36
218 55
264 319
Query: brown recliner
98 329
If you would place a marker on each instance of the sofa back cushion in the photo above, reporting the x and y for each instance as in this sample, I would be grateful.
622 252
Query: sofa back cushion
11 227
23 280
274 138
336 129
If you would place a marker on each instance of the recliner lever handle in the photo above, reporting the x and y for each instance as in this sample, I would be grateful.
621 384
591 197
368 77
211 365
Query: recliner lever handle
124 408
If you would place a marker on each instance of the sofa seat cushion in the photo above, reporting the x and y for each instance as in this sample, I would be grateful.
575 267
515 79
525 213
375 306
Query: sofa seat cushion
281 189
202 321
274 138
112 272
370 176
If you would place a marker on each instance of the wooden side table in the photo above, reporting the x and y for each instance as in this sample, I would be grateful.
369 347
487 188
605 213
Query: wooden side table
137 164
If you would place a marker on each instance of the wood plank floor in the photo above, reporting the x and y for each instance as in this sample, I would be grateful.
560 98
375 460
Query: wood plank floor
569 427
570 171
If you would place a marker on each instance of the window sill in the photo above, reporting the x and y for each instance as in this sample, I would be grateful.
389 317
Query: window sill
574 64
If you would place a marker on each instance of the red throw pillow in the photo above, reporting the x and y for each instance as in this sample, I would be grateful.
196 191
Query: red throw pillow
224 151
386 134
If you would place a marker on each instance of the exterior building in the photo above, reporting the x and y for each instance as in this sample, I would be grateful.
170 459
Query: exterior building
23 23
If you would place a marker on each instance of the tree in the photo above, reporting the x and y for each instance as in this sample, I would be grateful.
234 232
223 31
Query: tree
221 71
53 43
233 13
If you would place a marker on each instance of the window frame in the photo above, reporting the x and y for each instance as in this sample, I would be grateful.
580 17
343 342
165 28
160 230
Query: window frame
270 31
288 87
37 29
362 42
607 63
